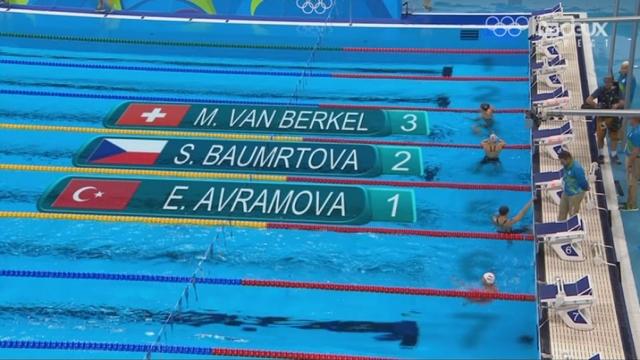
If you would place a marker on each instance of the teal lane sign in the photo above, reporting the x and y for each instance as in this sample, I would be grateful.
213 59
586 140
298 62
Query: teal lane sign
274 157
269 119
227 200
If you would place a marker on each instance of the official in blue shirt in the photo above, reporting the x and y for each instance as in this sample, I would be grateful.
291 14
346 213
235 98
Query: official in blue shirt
622 81
608 96
575 185
633 163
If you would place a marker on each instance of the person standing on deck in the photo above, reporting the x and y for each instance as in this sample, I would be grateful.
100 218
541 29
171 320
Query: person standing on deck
575 186
608 96
100 6
632 149
622 81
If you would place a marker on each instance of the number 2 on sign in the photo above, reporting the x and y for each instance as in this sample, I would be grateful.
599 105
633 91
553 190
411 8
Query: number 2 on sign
405 156
394 207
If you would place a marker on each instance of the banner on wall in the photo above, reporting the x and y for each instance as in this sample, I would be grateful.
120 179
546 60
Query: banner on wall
303 9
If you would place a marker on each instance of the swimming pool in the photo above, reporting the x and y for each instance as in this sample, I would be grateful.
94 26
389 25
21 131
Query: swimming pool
74 78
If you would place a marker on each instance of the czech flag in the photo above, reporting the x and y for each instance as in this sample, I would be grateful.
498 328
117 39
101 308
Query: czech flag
127 151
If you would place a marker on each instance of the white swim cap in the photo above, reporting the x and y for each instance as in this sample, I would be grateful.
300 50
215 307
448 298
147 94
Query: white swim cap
489 278
493 137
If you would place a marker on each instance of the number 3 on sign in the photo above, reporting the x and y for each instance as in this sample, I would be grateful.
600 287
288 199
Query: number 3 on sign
411 121
408 122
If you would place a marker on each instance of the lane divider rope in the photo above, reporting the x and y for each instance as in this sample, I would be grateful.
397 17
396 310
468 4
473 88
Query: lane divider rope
412 184
142 98
406 143
265 225
416 108
429 77
202 44
259 177
141 172
174 349
113 131
265 73
440 51
226 136
467 294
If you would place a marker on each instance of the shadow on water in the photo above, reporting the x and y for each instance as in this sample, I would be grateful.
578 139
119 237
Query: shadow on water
480 323
412 269
439 133
18 196
207 93
431 171
487 94
30 152
37 116
404 332
479 212
473 264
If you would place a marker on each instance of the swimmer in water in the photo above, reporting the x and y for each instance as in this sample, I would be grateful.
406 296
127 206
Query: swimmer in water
485 119
489 282
488 285
492 147
505 225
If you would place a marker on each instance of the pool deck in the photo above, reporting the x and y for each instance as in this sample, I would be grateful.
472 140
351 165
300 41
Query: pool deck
614 315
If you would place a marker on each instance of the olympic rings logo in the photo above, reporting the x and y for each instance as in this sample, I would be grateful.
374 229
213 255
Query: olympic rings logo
507 25
318 7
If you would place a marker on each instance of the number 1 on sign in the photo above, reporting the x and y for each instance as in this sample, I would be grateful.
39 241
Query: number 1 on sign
394 207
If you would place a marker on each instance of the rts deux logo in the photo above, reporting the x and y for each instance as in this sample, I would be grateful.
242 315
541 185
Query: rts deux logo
515 26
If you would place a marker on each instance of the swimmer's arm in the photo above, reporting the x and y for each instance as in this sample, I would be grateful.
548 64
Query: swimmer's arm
522 213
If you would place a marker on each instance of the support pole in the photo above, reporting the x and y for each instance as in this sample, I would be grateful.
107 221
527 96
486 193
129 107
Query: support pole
632 57
614 30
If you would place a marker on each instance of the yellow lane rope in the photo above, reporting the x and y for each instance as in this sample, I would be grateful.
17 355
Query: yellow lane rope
132 219
138 172
90 130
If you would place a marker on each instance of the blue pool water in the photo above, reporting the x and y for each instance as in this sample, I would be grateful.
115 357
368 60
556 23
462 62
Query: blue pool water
262 318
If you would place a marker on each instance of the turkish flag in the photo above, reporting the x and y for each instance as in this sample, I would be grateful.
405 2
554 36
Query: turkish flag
153 115
96 194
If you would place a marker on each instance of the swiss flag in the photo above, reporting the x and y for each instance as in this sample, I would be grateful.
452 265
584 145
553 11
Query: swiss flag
153 115
96 194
